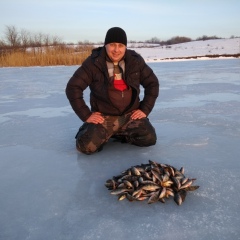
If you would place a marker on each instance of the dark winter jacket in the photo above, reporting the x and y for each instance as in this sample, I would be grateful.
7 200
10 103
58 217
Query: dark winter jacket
94 73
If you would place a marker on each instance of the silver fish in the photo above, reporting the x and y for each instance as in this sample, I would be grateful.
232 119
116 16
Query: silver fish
163 193
135 171
150 187
152 182
121 197
186 184
191 188
177 198
154 197
119 191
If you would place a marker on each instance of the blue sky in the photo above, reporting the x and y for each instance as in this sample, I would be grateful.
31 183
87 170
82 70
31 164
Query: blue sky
81 20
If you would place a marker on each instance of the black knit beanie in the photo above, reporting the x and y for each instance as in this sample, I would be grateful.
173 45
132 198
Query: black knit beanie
116 34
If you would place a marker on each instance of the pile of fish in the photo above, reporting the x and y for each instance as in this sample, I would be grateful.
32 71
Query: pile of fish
152 182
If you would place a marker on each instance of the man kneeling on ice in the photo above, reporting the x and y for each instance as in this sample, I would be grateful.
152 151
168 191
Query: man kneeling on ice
114 75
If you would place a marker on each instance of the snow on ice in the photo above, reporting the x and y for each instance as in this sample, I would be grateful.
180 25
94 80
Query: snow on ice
50 191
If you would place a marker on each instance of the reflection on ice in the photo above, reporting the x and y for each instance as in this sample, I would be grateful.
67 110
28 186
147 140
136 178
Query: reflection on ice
189 100
38 112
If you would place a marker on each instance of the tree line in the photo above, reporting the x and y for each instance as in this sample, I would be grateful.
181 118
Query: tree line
180 39
21 48
24 39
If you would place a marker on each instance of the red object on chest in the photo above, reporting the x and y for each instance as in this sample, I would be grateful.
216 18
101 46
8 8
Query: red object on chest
120 85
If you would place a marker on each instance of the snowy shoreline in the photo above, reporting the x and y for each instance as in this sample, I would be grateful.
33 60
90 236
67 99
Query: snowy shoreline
218 49
190 59
195 50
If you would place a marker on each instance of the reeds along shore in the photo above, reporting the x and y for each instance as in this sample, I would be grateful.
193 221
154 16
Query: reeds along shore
45 56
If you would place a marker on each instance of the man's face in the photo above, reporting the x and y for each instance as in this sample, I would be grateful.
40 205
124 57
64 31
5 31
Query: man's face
115 51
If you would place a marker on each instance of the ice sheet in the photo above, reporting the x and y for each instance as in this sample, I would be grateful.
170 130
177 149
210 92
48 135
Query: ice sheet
50 191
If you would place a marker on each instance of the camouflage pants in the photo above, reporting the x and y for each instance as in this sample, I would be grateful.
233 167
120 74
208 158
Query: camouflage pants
91 137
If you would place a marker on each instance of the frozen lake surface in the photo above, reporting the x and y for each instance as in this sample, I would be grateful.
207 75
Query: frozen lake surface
50 191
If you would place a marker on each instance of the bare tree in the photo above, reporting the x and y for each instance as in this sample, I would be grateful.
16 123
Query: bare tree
12 36
56 40
46 40
153 40
38 39
25 38
2 47
176 40
2 43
